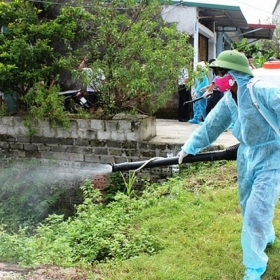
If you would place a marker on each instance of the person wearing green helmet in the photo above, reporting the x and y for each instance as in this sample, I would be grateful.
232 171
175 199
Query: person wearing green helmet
257 158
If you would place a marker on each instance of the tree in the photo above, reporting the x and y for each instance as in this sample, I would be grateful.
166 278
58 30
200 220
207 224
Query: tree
260 51
28 58
138 52
273 46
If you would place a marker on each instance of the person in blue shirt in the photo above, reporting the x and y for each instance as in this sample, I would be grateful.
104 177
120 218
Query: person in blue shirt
199 107
257 157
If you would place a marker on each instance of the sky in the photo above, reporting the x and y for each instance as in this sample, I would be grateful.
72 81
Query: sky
255 10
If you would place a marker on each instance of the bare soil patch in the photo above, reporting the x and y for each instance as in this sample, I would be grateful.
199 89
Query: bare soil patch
43 272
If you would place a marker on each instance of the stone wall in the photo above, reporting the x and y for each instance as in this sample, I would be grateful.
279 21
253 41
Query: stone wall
94 141
87 145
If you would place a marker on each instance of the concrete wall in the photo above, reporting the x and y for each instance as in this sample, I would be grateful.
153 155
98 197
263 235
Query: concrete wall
187 22
97 141
86 150
87 143
184 17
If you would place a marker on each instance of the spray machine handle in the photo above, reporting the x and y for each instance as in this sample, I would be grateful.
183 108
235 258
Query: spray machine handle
227 154
197 99
193 100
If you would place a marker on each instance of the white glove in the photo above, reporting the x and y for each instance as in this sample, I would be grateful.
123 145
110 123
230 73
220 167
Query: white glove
194 95
206 93
204 89
181 156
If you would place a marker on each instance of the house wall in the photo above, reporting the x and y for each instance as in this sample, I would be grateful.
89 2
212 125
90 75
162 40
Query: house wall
276 11
187 22
185 18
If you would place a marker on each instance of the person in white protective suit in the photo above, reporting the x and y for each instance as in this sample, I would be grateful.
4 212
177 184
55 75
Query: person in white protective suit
257 157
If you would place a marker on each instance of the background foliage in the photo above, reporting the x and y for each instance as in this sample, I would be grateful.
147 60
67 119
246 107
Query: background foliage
139 53
261 51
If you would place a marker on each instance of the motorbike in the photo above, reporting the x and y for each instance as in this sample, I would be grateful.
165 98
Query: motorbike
74 100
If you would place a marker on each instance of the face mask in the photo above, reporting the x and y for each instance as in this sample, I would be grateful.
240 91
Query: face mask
240 77
236 74
224 83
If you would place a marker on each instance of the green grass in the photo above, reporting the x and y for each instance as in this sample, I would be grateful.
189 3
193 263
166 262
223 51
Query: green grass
195 217
199 228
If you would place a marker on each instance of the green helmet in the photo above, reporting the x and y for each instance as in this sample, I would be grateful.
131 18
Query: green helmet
234 60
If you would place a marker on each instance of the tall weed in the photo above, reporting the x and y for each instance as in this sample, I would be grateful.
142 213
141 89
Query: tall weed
97 232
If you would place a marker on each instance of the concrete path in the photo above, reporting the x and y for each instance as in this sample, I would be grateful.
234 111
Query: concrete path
175 132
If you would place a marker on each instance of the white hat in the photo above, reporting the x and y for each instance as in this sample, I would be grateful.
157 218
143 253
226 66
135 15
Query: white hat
201 64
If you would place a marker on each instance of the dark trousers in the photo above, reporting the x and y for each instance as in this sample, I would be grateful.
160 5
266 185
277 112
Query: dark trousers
185 111
213 100
92 97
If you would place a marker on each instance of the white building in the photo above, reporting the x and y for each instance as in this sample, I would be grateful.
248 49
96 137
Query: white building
276 11
213 27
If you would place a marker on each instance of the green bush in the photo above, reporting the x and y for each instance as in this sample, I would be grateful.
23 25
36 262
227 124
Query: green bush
45 103
97 232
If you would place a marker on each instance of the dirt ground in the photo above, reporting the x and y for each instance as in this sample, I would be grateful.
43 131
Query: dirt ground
14 272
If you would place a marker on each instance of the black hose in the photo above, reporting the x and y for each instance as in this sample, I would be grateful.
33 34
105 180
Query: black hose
196 99
228 154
